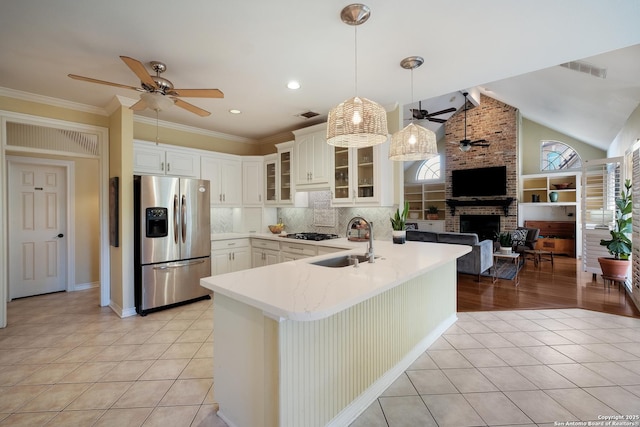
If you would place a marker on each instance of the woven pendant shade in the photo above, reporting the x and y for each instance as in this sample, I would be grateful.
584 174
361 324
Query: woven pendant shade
413 143
357 122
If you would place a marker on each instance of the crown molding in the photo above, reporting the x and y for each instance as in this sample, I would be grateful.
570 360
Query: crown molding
192 129
54 102
116 102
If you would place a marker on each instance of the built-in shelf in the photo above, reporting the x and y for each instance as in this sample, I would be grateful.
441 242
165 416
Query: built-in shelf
504 203
422 196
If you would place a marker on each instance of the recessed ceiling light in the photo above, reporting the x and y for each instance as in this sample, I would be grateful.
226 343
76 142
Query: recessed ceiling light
293 84
234 111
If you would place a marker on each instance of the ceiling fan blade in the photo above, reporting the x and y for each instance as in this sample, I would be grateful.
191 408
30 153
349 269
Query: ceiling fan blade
437 120
139 106
190 107
138 68
102 82
197 93
437 113
478 142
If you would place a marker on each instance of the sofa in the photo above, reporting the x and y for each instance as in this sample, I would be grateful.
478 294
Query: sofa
479 260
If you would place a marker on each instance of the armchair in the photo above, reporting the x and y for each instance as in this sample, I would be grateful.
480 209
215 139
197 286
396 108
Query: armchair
530 240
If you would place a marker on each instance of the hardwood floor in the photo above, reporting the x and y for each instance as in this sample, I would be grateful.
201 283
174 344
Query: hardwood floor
564 286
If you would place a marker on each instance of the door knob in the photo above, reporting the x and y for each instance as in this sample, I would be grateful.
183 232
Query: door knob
59 236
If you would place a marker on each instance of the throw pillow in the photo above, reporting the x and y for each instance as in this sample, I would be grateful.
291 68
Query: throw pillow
518 237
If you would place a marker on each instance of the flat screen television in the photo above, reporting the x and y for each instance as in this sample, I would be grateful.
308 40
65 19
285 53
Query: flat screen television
491 181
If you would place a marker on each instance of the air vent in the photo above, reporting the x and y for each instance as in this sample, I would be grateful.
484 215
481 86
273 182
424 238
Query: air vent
308 114
585 67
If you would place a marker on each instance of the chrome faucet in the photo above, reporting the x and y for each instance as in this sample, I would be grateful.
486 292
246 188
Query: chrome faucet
358 221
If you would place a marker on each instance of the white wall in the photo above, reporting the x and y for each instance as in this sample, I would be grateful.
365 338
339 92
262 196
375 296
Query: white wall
627 136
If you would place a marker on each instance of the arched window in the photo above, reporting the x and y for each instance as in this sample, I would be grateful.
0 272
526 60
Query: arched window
556 155
429 169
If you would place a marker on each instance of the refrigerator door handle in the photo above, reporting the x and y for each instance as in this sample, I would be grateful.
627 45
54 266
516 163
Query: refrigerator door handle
179 264
175 219
183 210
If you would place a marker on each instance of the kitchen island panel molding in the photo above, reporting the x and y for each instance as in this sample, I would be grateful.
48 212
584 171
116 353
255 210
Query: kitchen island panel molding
325 371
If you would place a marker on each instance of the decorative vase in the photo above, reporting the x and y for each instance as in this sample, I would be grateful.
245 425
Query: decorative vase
553 196
399 236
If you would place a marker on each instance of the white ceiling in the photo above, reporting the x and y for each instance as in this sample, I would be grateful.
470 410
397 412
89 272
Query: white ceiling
250 49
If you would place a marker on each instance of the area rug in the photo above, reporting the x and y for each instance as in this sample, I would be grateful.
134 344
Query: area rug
507 269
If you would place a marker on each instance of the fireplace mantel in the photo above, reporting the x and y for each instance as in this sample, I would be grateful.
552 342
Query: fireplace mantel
504 203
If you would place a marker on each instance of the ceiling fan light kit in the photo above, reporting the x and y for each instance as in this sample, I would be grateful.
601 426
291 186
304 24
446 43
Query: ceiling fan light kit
156 101
413 142
356 122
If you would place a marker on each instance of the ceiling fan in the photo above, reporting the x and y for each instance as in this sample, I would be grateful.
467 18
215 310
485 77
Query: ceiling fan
420 114
466 144
158 93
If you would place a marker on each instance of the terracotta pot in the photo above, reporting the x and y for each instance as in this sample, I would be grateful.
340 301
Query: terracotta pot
432 216
614 268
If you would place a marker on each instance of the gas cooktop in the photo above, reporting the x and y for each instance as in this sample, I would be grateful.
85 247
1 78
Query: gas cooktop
312 236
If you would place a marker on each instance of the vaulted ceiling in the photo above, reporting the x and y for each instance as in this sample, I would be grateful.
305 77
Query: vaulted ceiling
509 50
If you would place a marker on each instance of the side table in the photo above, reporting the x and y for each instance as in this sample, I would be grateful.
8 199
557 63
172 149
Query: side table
511 257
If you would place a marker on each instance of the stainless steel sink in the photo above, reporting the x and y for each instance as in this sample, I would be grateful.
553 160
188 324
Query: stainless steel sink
342 261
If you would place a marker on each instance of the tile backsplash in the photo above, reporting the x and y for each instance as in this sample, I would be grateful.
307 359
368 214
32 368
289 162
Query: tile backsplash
305 219
309 220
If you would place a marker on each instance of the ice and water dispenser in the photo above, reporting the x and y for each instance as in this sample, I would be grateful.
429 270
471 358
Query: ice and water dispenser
156 222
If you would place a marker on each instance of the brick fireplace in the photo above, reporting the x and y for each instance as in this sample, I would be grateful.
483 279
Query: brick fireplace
498 124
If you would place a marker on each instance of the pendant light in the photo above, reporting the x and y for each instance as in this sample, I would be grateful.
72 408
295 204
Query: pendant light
413 142
356 122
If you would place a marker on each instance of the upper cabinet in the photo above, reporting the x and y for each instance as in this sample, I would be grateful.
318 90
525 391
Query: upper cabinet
225 176
311 155
362 176
271 179
286 188
152 159
252 181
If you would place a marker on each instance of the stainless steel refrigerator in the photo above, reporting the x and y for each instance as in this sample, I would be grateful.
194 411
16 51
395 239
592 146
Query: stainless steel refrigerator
172 241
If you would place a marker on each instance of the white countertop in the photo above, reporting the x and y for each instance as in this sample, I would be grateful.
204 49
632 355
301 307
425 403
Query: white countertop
299 290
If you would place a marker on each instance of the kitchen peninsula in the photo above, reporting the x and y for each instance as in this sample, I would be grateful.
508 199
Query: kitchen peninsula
300 344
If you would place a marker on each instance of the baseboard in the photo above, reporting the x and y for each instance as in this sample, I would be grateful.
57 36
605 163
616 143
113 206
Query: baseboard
122 312
85 286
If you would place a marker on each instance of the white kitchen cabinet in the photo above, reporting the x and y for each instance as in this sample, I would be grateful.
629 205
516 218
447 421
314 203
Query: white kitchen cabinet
264 252
436 226
271 182
311 155
152 159
252 181
291 251
225 175
285 169
228 256
361 176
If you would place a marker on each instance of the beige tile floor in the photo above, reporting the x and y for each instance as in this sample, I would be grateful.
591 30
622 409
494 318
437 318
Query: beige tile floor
525 368
64 361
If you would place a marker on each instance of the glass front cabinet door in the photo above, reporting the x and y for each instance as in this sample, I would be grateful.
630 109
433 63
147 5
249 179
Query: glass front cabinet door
354 175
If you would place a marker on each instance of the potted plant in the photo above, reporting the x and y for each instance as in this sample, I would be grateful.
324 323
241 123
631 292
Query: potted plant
398 223
432 212
619 245
505 241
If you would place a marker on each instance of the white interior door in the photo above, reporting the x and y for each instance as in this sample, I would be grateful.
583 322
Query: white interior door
37 229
